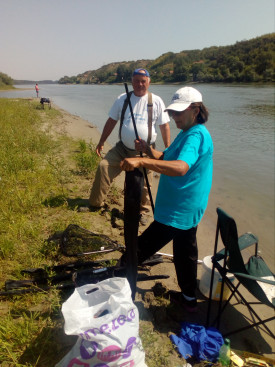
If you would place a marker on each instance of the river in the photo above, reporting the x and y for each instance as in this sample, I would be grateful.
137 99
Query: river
241 123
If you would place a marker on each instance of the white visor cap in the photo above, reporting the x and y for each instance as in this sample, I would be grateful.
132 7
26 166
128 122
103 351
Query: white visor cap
183 98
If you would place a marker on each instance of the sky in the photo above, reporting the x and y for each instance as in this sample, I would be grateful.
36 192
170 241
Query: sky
46 40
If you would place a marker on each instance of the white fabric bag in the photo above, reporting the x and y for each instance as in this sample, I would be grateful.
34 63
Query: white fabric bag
106 320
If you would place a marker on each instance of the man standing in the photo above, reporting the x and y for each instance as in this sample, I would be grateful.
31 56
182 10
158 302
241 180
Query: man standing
148 110
36 89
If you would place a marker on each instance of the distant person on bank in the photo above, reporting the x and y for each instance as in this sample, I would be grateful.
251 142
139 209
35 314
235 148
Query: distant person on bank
109 167
36 89
186 177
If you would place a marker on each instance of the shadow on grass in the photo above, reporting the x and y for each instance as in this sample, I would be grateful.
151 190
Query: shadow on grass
60 200
76 203
50 346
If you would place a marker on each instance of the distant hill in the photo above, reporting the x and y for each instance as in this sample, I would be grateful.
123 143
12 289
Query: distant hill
246 61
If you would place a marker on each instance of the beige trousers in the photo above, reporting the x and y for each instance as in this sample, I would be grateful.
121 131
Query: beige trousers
108 169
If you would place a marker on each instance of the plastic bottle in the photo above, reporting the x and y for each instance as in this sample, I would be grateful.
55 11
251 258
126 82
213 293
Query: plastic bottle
224 354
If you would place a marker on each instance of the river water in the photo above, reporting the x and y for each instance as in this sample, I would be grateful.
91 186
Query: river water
241 123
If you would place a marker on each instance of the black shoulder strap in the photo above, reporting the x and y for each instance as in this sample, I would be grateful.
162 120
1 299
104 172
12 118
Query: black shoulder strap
150 115
125 105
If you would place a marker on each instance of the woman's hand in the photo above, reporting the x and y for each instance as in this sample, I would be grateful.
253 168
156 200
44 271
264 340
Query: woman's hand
129 164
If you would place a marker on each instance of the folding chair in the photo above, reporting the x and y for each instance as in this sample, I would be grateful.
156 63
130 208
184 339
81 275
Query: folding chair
255 275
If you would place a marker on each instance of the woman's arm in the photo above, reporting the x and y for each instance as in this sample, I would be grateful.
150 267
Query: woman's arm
142 146
168 168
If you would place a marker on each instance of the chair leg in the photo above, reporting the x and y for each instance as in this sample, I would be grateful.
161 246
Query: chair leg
212 278
221 294
262 322
234 290
210 297
233 294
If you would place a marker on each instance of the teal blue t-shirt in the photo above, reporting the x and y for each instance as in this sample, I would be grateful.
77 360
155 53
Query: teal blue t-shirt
181 201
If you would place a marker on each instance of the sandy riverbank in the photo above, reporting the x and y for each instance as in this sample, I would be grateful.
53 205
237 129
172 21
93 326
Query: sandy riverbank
252 340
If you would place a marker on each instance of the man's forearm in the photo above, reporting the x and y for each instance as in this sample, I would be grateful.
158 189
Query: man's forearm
168 168
108 128
165 132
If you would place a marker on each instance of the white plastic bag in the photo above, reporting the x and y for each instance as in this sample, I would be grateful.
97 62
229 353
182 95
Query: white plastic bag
106 320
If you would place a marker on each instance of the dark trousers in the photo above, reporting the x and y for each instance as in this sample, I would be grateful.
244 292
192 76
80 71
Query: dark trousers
185 252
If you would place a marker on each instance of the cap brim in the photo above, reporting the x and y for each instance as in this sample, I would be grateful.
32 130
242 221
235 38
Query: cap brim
178 106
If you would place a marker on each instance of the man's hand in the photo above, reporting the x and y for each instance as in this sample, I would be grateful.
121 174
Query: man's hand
108 128
99 149
141 146
129 164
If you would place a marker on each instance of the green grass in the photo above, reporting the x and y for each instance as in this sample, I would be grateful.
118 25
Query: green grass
36 180
86 160
159 354
30 173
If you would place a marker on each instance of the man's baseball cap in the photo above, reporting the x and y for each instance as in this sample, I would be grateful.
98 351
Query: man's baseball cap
141 71
183 98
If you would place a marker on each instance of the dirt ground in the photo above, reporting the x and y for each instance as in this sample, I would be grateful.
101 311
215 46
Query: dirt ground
167 319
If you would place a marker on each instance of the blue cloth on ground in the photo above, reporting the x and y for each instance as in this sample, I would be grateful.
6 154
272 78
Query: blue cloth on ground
197 341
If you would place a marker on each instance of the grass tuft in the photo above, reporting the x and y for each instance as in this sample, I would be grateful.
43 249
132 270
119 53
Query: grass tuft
86 159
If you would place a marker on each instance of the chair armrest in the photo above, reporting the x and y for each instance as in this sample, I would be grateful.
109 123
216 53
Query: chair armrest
258 279
246 240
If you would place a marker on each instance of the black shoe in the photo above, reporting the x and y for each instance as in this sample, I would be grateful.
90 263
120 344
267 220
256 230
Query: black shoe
178 298
153 260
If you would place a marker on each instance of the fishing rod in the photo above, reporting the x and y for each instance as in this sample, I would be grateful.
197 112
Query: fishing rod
140 153
42 282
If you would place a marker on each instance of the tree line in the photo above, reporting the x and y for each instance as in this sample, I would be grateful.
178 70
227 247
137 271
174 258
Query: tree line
246 61
5 80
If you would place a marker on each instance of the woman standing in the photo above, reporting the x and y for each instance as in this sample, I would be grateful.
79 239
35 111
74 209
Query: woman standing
186 176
